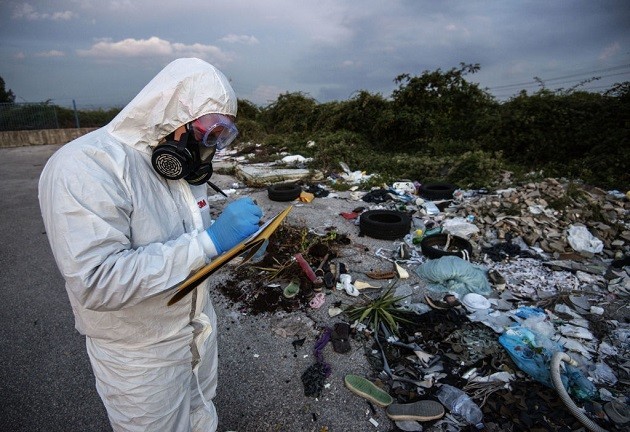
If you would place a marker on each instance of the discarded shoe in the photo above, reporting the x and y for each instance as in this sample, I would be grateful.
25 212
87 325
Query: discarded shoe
318 284
317 301
402 273
291 290
381 275
368 390
340 337
424 410
449 301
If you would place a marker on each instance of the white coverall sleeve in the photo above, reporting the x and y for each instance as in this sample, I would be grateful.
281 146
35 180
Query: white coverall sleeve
87 206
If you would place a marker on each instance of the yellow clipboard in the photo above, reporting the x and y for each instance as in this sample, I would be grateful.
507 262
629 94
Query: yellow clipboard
250 245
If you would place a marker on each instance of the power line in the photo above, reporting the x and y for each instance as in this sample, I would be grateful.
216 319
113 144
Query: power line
501 87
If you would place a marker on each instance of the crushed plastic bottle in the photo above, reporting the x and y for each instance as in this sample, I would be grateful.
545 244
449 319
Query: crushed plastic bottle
458 402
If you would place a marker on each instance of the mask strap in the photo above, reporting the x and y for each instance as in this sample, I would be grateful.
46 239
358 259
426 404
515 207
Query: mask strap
183 139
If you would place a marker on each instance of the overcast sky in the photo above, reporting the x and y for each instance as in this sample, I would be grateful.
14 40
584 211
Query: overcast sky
101 52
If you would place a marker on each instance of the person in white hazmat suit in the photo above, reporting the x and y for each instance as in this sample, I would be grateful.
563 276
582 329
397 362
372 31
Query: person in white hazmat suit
126 213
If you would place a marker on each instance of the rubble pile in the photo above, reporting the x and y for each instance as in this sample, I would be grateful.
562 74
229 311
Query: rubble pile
541 213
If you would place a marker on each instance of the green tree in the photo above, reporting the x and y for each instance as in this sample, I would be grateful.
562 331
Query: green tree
438 106
5 95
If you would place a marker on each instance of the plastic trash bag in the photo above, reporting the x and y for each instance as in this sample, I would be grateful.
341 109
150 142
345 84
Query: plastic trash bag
460 227
532 353
456 275
581 240
496 320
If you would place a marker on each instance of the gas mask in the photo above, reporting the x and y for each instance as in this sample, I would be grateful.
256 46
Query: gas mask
190 158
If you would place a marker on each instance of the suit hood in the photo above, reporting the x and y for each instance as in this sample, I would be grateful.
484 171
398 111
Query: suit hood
184 90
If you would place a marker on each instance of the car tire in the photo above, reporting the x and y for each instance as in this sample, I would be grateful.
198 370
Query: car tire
284 191
384 224
433 246
437 191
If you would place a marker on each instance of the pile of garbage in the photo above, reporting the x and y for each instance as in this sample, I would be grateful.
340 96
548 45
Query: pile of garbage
550 288
526 324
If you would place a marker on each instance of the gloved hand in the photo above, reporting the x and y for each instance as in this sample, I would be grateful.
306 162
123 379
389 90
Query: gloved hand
238 221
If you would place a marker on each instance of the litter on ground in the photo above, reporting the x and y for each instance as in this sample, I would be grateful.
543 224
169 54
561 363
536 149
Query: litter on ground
527 329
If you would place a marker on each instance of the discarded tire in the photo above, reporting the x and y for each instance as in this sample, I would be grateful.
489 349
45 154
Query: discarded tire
437 191
384 224
284 191
439 245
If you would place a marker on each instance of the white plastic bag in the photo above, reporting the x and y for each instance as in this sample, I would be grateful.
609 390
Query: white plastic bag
459 227
581 240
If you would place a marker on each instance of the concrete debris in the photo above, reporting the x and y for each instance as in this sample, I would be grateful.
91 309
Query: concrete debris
266 174
542 213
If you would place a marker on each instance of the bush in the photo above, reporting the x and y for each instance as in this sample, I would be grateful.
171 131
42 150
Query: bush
290 113
475 169
250 131
436 127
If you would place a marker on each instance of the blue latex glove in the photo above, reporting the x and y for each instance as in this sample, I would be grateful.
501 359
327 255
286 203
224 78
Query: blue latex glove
238 221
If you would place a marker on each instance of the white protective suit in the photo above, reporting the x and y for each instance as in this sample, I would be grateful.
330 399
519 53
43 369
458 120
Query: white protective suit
122 236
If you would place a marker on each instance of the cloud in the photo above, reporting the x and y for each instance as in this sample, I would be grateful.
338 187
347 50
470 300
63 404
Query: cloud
610 51
240 39
265 94
28 12
19 56
51 53
153 47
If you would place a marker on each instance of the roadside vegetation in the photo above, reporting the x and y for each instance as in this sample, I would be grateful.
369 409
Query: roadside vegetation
437 126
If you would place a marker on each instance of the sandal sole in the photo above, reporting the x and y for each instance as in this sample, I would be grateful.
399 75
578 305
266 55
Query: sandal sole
424 410
368 390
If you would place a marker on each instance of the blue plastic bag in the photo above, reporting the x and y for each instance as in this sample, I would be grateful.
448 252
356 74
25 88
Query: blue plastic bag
529 311
532 353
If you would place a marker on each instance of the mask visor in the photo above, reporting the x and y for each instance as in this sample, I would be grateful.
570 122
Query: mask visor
215 131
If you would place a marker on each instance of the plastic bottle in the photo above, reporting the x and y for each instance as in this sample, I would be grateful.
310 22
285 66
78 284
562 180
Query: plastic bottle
430 208
417 236
458 402
579 385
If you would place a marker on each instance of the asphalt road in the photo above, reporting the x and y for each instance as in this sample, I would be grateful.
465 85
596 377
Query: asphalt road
46 382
